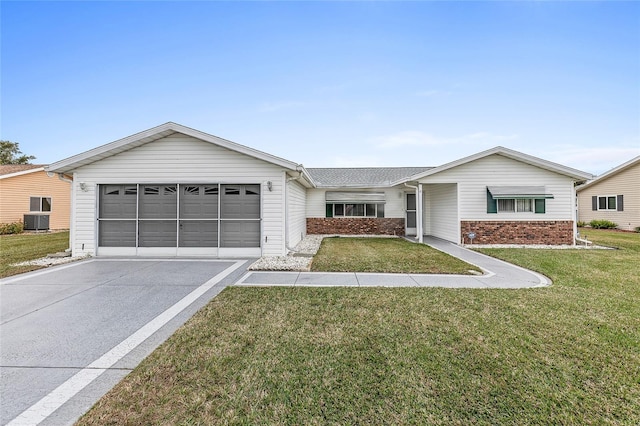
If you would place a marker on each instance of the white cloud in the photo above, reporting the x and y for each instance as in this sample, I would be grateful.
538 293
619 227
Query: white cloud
596 160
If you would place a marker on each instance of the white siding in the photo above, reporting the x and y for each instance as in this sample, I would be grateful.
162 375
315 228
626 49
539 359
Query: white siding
625 182
442 208
297 200
180 159
394 200
474 177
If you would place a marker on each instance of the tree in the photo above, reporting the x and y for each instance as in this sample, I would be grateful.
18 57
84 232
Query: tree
10 154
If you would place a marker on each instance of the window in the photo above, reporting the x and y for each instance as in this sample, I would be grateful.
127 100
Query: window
355 210
607 203
515 205
40 204
510 199
210 190
191 190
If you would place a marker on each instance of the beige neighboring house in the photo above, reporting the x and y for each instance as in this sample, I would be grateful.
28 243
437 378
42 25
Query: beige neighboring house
614 196
29 195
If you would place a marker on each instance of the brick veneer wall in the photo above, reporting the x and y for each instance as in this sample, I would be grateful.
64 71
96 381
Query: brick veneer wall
355 226
519 232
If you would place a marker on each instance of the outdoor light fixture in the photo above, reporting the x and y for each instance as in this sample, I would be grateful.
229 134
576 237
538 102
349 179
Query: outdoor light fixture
269 186
83 186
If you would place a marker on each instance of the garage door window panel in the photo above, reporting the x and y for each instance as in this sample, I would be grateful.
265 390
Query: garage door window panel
158 202
118 202
199 202
240 202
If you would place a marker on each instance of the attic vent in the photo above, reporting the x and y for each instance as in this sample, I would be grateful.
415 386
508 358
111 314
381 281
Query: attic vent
36 222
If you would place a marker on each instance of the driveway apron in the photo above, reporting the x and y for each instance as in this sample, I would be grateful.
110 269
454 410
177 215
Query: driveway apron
68 334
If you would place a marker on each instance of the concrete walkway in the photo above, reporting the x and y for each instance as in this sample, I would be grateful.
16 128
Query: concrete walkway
497 274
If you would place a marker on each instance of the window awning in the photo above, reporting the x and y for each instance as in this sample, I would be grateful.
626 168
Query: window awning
502 192
355 197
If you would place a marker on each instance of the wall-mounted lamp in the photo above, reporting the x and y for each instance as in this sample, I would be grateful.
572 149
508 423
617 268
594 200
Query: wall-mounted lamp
83 186
269 186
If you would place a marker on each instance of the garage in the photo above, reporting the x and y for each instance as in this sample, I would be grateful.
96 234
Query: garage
178 219
175 191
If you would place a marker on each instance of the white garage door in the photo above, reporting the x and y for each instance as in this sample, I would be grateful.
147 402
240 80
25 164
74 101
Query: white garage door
179 219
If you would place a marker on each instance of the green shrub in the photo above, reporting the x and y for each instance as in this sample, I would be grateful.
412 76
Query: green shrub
637 229
11 228
602 224
581 224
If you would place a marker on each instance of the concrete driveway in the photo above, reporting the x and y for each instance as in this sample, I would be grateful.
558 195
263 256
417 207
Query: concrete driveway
69 333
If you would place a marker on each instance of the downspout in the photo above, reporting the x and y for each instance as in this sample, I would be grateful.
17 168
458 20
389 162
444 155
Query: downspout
63 178
286 210
72 215
418 190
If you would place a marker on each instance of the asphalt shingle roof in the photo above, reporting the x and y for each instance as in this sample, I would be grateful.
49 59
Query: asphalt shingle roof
7 169
361 176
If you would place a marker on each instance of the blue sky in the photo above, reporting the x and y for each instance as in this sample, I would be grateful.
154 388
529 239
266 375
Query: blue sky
329 83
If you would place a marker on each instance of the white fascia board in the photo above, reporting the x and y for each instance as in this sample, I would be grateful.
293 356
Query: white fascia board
23 172
509 153
609 173
158 132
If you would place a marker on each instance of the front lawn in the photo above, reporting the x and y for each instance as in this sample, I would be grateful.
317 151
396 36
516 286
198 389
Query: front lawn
17 248
347 254
565 354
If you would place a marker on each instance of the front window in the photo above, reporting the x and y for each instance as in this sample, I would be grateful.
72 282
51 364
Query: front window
355 210
40 204
607 203
513 205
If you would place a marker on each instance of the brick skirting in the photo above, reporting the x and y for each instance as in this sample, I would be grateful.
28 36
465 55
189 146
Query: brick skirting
519 232
355 226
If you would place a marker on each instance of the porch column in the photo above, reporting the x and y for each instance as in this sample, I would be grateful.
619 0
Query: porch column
419 218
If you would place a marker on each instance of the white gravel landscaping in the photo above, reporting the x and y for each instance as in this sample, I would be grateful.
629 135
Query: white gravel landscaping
48 261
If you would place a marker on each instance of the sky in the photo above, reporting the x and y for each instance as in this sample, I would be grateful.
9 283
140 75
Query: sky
329 84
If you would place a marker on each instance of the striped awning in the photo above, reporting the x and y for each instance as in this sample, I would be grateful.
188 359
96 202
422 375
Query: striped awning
355 197
498 192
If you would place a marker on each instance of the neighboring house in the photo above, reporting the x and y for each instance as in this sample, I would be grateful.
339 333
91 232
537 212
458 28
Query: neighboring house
29 195
173 190
613 196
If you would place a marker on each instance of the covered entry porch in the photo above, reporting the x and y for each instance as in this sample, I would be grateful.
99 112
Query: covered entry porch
432 209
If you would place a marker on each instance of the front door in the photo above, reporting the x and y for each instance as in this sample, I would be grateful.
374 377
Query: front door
410 223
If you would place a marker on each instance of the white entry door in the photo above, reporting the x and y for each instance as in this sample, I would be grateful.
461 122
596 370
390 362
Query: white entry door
410 221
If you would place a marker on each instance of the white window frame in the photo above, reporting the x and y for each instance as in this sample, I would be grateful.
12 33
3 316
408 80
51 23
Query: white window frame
532 205
364 209
607 198
40 206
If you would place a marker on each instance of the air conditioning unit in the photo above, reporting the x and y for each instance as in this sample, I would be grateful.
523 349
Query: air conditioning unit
36 222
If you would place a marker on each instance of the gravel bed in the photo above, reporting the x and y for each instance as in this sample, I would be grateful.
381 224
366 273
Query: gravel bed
48 261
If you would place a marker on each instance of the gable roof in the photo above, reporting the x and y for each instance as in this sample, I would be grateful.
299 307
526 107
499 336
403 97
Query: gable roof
610 173
162 131
11 170
509 153
359 177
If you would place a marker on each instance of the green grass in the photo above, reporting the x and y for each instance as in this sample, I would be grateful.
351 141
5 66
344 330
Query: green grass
22 247
566 354
385 255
